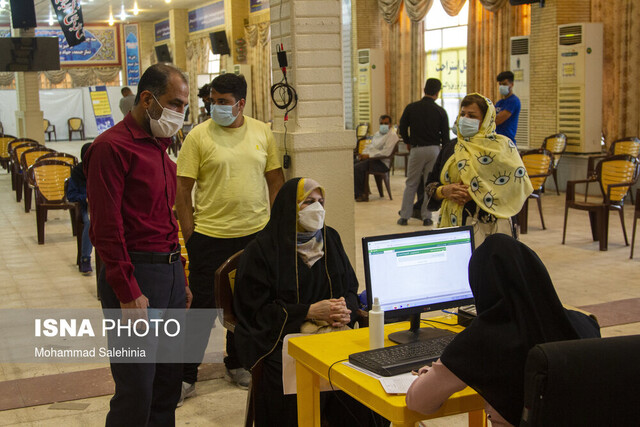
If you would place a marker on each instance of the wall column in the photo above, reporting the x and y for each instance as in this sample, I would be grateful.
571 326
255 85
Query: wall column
179 25
319 146
29 117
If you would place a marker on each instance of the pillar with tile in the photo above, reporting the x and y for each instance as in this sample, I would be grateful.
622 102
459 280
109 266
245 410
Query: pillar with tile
316 139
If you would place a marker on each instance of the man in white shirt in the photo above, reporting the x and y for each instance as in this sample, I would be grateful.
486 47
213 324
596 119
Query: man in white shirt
372 157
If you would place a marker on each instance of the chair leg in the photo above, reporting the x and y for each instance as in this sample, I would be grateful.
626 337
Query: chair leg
540 210
388 185
586 191
523 218
40 218
73 213
633 236
595 224
603 222
18 187
27 198
379 185
624 230
555 180
564 228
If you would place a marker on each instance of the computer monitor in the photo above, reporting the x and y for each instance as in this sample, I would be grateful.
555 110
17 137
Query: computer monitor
412 273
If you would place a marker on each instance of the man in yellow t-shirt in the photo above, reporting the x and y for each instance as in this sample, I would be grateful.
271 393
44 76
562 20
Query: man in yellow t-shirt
233 160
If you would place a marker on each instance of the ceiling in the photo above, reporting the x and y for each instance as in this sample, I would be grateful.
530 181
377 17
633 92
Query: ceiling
97 11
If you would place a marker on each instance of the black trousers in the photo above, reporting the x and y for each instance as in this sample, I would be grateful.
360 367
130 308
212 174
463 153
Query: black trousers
147 393
206 254
360 172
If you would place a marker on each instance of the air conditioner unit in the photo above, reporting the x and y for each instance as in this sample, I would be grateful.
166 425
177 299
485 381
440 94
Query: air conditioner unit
519 48
371 86
245 70
580 85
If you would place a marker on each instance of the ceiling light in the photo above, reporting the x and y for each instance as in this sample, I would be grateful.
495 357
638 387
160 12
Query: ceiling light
167 1
3 4
51 21
111 20
123 14
135 8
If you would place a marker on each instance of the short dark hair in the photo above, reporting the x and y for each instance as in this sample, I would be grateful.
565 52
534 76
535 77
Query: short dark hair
234 84
432 87
478 100
385 116
505 75
204 91
156 79
125 90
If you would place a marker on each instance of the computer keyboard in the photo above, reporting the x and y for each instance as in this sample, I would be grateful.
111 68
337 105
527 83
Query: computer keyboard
402 358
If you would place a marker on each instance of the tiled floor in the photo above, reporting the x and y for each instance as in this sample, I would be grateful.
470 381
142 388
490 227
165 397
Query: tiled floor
33 275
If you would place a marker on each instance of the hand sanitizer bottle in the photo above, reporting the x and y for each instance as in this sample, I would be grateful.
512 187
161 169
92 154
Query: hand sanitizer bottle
376 326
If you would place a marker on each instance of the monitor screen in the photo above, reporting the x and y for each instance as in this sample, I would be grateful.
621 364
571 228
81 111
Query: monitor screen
412 273
29 54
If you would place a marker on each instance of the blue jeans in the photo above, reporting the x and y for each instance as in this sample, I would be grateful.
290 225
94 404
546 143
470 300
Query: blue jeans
87 247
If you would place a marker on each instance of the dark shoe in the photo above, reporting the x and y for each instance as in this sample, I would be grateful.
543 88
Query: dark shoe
85 266
362 198
402 221
427 222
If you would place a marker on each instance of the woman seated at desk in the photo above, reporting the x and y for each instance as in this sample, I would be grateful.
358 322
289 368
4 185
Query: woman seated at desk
480 179
517 308
295 277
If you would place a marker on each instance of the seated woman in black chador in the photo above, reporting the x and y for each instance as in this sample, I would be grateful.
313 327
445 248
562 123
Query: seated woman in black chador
517 308
295 276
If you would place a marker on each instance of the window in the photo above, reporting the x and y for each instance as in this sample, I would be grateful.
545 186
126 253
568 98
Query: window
445 44
214 64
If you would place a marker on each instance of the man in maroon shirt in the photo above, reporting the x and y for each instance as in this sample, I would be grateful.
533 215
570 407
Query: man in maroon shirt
131 186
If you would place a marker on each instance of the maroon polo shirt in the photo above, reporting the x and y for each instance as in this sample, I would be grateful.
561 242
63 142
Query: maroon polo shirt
131 187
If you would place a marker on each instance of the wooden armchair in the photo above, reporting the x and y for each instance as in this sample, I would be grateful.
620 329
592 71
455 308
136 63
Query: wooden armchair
629 145
75 124
16 148
615 174
556 144
28 158
381 177
48 177
50 129
5 158
539 165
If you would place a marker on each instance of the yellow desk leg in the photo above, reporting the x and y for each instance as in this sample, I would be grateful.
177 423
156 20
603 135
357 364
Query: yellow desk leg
478 419
308 397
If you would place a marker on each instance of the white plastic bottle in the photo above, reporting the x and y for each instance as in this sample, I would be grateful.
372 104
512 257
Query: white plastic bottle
376 326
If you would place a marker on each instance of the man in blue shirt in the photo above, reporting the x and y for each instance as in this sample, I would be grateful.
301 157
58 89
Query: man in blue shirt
508 108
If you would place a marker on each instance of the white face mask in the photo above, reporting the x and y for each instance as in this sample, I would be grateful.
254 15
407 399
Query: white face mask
468 127
504 90
223 114
168 124
311 218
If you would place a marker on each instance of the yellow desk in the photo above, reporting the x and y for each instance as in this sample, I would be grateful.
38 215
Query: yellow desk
314 355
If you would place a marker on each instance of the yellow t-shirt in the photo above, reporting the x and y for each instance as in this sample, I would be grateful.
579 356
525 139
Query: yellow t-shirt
228 164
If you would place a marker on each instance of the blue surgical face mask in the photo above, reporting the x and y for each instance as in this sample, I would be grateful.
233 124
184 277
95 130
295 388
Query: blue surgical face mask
468 127
384 129
504 90
223 114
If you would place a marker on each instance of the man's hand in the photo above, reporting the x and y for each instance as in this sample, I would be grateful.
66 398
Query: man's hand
186 234
458 193
188 296
135 309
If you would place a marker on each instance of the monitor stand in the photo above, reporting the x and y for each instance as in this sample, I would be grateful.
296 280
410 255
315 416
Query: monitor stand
416 333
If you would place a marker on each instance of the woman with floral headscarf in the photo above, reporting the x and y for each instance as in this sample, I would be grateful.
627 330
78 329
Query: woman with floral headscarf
480 179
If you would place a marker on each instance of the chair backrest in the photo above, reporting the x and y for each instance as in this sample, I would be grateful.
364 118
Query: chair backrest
21 148
629 145
30 156
615 170
361 130
48 178
75 123
65 157
556 144
586 382
4 146
539 164
223 288
19 141
46 124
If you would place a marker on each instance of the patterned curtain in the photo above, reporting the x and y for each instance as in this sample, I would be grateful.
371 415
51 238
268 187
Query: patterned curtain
258 38
197 63
56 77
493 5
6 78
621 85
415 9
452 7
82 77
488 43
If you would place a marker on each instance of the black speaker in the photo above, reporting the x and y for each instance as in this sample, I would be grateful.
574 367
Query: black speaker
23 14
162 53
219 45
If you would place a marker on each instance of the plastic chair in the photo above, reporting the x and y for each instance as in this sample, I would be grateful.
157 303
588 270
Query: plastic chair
75 124
556 144
381 177
589 382
539 165
629 145
16 148
48 177
615 174
72 160
50 129
27 158
636 215
5 159
362 130
405 155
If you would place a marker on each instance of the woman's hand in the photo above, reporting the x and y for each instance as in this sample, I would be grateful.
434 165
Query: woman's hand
332 311
457 193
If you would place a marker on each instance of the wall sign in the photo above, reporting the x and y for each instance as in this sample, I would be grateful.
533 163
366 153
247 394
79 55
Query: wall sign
205 17
133 54
69 14
101 107
258 5
100 47
163 30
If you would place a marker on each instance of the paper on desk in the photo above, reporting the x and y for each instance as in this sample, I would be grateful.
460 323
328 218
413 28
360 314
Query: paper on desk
397 384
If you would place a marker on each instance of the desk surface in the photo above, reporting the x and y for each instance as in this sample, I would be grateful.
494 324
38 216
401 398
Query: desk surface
318 352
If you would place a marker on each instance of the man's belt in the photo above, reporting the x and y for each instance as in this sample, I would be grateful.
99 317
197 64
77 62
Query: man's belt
155 257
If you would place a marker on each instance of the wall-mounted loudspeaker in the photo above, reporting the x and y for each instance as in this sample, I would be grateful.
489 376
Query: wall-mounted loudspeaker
219 45
23 14
162 53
